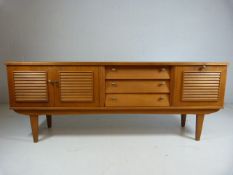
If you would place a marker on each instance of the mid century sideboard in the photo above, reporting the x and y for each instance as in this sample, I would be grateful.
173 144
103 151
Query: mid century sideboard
47 88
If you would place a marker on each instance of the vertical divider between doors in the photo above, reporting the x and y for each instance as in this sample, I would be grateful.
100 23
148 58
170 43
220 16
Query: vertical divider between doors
53 89
102 85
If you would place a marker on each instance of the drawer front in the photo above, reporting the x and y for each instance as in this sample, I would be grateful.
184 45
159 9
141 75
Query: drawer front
137 100
137 72
137 86
199 85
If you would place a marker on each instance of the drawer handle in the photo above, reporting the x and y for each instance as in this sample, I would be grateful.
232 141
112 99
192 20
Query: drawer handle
162 69
113 98
203 67
161 98
113 69
114 84
162 83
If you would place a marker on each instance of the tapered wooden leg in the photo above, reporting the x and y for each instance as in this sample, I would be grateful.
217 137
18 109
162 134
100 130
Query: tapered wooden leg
35 127
49 120
183 120
199 124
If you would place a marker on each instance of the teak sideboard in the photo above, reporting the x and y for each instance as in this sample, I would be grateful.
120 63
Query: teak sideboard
47 88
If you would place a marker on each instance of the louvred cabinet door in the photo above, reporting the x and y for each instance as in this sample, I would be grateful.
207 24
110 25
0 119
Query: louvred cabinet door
76 86
28 86
199 85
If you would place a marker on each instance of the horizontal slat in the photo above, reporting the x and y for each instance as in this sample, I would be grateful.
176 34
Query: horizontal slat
31 99
200 82
200 88
29 78
202 78
202 74
32 91
77 88
30 94
193 92
75 73
31 88
77 82
200 99
28 74
201 85
200 95
30 82
77 93
31 85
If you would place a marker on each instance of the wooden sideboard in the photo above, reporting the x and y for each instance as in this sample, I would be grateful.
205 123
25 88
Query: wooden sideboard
47 88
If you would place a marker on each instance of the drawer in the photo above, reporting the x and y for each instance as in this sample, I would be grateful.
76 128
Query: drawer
122 100
137 72
137 86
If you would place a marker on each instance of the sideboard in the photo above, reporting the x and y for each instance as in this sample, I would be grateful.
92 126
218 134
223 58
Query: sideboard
47 88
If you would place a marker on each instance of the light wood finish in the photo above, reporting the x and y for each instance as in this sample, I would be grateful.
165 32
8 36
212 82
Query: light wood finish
47 88
137 86
35 127
137 100
199 125
49 120
137 72
196 86
183 120
30 86
102 86
202 86
147 63
76 86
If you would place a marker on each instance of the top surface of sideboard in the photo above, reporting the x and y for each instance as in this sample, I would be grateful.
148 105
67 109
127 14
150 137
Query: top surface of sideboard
114 63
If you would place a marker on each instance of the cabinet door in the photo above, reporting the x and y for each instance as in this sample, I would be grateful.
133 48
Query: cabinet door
28 86
77 86
199 85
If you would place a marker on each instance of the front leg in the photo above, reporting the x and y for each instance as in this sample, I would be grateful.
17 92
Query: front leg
199 124
35 127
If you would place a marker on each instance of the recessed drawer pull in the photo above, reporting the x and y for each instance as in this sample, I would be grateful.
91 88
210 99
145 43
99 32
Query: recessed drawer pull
162 83
203 67
113 69
161 98
114 84
113 98
162 69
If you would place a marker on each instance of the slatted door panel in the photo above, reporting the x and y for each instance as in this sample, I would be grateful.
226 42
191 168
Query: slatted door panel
78 86
30 86
201 86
